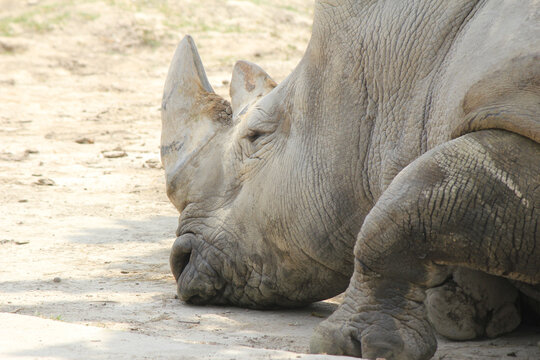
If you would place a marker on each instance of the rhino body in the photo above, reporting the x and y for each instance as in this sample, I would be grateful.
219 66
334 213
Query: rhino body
400 158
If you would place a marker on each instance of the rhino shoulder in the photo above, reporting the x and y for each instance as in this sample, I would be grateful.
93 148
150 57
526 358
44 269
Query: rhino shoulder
490 78
507 99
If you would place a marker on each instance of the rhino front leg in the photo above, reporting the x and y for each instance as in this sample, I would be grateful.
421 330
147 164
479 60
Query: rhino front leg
472 202
380 317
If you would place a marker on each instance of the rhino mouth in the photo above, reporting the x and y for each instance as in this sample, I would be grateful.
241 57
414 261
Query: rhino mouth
193 266
211 269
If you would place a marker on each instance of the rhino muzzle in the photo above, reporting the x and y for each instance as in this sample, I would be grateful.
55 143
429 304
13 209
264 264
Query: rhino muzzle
197 281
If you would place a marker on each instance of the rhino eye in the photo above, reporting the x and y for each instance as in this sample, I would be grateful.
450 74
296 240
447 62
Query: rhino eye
254 135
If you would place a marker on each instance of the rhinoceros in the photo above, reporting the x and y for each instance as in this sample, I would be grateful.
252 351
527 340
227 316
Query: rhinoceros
399 161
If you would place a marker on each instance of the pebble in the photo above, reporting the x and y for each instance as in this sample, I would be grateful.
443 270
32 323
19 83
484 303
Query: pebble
152 163
84 140
45 182
114 154
57 279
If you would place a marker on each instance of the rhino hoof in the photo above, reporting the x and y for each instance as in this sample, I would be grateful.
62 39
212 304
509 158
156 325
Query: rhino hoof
372 343
334 340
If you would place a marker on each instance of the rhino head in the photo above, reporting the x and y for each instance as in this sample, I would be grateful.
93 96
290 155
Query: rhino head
258 187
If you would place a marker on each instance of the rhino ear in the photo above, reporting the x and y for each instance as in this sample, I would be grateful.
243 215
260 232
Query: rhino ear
249 82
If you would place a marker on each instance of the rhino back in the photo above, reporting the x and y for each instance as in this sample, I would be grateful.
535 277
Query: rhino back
490 78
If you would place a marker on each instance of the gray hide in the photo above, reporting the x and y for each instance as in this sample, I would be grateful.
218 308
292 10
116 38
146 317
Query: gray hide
410 128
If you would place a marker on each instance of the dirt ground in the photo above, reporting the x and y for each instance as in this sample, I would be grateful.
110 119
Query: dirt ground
86 227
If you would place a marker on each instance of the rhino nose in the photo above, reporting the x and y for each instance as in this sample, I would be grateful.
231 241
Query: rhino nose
180 254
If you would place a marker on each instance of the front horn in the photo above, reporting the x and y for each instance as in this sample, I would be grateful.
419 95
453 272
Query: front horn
191 115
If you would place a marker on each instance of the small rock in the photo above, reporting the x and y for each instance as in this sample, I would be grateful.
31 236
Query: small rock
31 151
23 200
152 163
57 279
11 46
9 82
84 140
225 82
114 154
124 272
45 182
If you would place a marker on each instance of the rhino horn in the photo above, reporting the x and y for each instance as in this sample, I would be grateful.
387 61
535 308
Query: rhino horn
249 82
191 114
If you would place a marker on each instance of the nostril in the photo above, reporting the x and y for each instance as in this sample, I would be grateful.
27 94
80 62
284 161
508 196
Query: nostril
179 263
180 254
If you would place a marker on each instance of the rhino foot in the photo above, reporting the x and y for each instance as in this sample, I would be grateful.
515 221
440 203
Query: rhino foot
473 304
375 341
335 338
370 326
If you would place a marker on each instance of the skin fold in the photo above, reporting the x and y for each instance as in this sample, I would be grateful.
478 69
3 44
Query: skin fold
399 161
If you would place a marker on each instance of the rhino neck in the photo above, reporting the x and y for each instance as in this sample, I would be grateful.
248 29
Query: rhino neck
372 65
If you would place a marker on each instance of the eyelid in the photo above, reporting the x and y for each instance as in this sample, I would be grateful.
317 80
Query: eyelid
262 123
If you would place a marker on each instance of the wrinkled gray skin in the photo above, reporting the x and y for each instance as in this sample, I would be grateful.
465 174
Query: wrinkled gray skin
410 131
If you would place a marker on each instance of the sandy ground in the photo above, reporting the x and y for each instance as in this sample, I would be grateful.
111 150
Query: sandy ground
86 227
